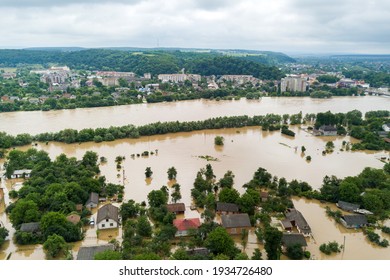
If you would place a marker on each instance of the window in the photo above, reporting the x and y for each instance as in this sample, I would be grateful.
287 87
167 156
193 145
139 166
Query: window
103 225
111 224
106 220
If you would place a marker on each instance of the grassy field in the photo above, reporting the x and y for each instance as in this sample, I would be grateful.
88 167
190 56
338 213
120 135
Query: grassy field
8 69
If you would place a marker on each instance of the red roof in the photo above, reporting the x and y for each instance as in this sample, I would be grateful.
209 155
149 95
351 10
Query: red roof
186 224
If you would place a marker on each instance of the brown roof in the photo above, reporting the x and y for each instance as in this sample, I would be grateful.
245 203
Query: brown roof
236 220
79 207
108 211
176 207
73 218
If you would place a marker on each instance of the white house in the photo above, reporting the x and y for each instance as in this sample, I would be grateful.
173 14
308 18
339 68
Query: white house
107 217
22 173
92 201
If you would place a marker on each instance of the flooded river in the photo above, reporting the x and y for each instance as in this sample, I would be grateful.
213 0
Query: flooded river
244 151
138 114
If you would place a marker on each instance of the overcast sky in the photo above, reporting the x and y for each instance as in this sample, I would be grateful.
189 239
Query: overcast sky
308 26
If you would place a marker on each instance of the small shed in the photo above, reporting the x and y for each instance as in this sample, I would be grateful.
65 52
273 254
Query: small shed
92 201
177 208
328 130
21 173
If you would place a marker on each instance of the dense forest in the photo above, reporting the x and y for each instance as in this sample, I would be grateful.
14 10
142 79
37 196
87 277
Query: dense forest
155 62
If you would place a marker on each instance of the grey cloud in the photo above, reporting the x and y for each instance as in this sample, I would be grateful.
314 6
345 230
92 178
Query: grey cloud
61 3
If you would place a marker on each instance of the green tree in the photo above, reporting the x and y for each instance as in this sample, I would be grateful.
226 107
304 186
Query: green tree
144 227
108 255
295 252
25 211
256 254
349 191
219 241
157 198
55 245
219 140
172 173
229 195
148 172
273 239
3 235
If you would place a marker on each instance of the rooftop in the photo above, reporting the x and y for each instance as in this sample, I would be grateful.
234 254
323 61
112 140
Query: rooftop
235 220
347 206
88 253
30 227
186 224
176 207
355 219
227 207
108 211
289 239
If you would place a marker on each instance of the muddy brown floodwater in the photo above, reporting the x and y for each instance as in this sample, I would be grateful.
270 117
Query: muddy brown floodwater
192 110
245 150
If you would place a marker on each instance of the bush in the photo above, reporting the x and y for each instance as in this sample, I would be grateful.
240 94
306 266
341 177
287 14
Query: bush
331 247
219 140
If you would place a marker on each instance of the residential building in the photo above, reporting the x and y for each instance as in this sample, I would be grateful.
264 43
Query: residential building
238 79
92 201
347 206
226 208
107 217
30 227
147 76
184 226
290 239
177 78
386 127
236 223
264 196
293 83
88 253
21 173
327 130
8 75
297 220
354 221
177 208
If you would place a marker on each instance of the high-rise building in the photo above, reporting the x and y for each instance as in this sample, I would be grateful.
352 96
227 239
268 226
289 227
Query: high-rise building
293 84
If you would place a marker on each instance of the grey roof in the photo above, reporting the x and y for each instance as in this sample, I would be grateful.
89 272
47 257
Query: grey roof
30 227
235 220
286 223
93 197
294 216
108 211
352 220
347 206
227 207
88 253
22 171
198 251
327 128
176 207
289 239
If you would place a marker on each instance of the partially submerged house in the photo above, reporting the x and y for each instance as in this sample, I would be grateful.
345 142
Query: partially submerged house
236 223
92 201
184 226
354 221
21 173
328 130
226 208
290 239
177 208
34 227
347 206
89 252
107 217
297 220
